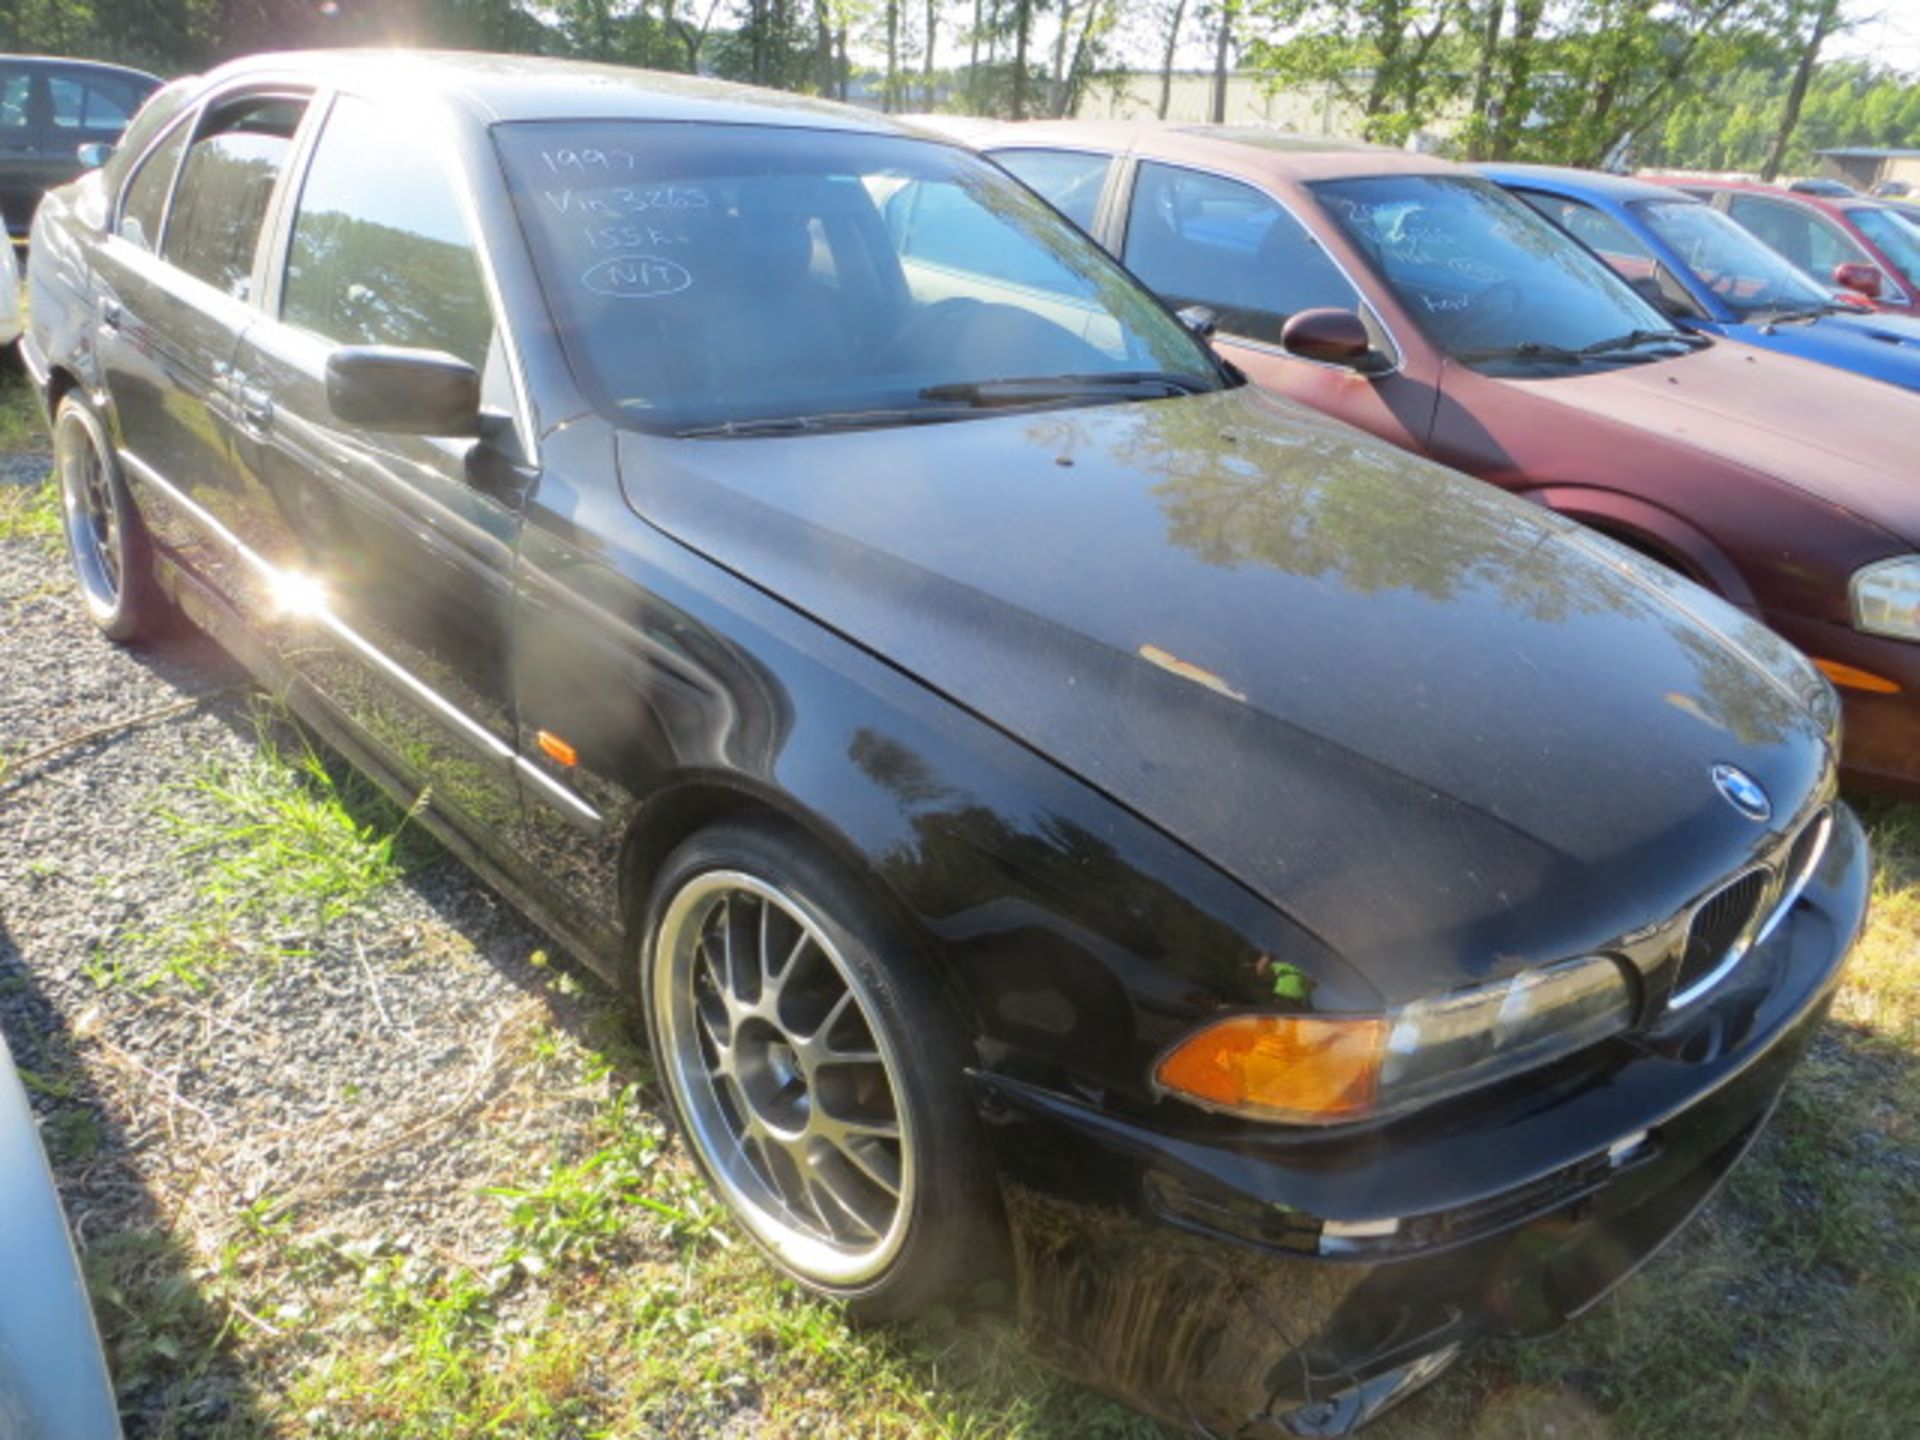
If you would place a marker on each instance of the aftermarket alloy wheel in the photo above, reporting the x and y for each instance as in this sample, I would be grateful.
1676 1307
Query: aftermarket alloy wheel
111 556
851 1155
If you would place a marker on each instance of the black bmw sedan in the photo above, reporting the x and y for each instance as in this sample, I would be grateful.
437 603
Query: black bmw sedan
1066 814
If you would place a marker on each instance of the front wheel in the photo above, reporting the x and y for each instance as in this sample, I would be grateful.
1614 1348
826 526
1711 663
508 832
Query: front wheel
112 557
817 1077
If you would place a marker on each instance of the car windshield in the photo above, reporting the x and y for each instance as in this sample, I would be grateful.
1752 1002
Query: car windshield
1897 238
726 279
1492 282
1749 278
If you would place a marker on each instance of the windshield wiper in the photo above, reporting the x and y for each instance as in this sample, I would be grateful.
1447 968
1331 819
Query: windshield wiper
1039 389
812 424
1796 316
1526 350
1637 339
1599 349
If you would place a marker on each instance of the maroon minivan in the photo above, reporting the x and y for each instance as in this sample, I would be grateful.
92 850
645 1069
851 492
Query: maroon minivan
1414 299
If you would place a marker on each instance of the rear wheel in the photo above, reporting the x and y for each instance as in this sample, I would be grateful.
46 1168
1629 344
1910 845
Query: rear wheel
818 1079
112 557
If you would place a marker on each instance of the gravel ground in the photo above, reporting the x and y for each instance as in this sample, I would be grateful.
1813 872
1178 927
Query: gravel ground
355 1067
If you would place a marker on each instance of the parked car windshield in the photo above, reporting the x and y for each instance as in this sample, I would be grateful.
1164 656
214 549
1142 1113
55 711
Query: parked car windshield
1897 238
1490 281
714 276
1747 276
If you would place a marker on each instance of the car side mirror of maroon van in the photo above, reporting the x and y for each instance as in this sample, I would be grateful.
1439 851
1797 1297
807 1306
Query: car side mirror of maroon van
1334 337
1859 277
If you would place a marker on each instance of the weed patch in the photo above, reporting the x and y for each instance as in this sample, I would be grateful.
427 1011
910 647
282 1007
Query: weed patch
31 513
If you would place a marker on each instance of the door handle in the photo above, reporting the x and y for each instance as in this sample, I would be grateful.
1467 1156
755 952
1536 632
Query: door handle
256 407
110 314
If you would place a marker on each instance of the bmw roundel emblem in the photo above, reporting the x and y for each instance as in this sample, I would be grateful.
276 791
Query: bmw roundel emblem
1743 792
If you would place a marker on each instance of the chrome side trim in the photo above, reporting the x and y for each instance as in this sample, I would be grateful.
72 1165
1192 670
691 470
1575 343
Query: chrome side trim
478 734
568 801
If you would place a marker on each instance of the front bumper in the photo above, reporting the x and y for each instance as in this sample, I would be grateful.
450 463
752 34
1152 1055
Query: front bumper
1191 1276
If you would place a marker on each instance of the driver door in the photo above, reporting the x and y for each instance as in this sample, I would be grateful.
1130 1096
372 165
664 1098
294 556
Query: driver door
398 550
1201 239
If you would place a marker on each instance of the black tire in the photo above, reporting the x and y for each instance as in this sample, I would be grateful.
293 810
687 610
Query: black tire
810 1202
106 542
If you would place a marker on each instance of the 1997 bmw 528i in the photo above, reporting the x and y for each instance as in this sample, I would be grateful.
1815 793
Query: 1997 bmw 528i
1065 813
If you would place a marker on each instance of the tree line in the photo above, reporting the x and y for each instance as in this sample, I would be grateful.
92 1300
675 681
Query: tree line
1720 84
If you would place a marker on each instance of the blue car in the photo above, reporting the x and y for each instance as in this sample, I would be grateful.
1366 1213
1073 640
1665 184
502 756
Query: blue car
1710 275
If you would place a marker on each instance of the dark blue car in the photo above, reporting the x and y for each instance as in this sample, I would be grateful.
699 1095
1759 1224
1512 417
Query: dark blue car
1709 274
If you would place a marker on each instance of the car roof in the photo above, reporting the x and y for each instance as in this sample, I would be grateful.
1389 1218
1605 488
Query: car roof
503 88
1589 182
1830 204
1277 152
67 62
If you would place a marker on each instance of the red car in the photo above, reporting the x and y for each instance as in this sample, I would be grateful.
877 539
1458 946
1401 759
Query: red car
1417 300
1862 245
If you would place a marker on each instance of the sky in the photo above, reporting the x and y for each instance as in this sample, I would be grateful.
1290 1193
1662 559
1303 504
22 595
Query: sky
1884 30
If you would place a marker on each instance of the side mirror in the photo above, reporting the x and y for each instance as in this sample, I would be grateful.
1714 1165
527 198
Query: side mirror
1335 337
403 392
1202 320
1859 277
94 153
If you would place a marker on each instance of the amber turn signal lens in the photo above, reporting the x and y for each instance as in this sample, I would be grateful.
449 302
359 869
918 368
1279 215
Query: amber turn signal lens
1853 678
1295 1067
556 749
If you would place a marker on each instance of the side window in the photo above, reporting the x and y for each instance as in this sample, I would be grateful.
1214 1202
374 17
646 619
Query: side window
226 183
939 223
1623 251
90 104
1593 228
1796 233
16 89
381 254
145 201
1205 240
1070 181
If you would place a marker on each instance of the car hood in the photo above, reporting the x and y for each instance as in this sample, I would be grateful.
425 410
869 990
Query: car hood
1433 724
53 1381
1885 347
1843 438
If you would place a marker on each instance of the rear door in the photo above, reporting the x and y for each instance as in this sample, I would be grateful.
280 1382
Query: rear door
401 547
1201 239
176 285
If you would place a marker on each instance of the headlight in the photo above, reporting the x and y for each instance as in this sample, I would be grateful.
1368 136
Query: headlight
1324 1069
1886 598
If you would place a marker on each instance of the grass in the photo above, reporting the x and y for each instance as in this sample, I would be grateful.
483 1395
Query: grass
21 424
30 512
276 851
